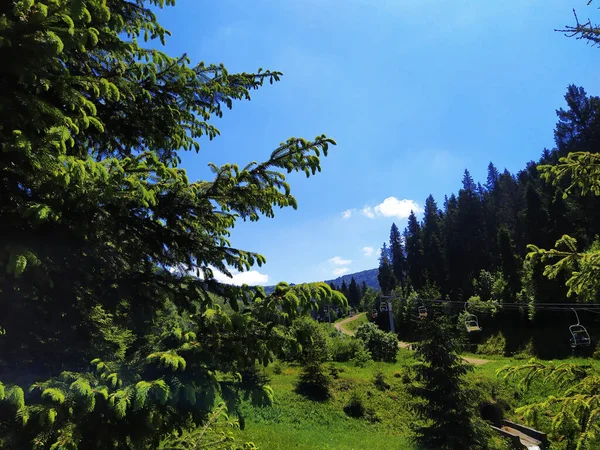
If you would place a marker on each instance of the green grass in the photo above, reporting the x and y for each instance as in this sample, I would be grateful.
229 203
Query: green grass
354 324
296 422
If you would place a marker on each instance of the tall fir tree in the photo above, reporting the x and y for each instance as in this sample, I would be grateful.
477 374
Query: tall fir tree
433 253
397 257
473 250
101 230
414 252
385 275
344 288
511 264
446 409
354 293
492 177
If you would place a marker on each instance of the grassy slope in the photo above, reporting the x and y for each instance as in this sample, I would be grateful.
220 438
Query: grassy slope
295 422
354 324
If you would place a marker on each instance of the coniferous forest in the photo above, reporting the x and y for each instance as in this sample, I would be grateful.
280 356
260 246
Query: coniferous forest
483 244
116 334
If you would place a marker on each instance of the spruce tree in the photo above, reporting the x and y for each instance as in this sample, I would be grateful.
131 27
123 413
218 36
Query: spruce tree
492 177
354 294
344 288
511 264
385 275
433 253
397 257
446 406
473 250
536 218
363 289
414 252
109 248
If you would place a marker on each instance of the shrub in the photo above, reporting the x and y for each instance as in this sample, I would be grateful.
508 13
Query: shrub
493 345
355 407
525 352
596 354
404 374
334 371
314 383
342 348
277 368
362 357
382 346
380 382
311 338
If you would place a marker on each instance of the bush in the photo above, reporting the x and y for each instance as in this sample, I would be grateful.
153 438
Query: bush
525 352
362 357
382 346
355 407
342 348
277 368
310 341
596 354
380 382
493 345
404 374
314 383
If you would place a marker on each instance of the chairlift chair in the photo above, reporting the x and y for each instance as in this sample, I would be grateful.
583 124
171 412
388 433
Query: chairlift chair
383 307
579 335
374 315
471 321
422 312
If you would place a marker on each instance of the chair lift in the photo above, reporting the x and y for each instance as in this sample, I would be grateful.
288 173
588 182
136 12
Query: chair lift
383 307
374 315
579 335
471 322
422 312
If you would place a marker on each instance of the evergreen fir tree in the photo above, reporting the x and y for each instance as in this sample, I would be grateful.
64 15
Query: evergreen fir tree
492 177
468 182
536 218
397 257
354 294
433 255
511 265
473 254
447 405
385 276
414 252
363 289
344 288
109 248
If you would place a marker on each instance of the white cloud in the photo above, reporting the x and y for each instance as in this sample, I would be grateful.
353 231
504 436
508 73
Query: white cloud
392 207
346 214
368 251
251 278
340 271
336 260
367 211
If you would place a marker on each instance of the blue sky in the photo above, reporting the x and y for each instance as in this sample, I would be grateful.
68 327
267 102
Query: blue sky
413 91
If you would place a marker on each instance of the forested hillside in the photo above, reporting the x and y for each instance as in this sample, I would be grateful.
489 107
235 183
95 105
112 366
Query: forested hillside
474 242
367 276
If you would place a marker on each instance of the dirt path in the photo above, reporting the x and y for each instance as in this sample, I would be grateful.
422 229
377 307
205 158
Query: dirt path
340 326
475 361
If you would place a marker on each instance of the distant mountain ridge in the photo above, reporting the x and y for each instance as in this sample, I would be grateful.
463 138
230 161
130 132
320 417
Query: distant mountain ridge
368 276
